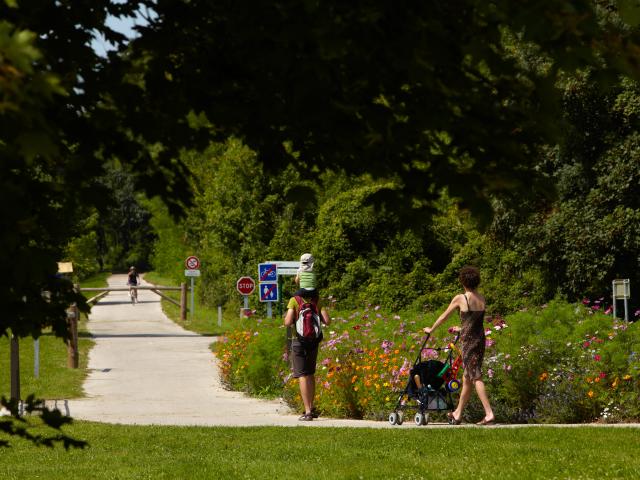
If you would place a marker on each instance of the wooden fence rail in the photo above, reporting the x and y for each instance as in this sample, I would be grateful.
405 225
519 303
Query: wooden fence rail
157 289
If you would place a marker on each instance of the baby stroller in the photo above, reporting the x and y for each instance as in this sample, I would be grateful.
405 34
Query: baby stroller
430 385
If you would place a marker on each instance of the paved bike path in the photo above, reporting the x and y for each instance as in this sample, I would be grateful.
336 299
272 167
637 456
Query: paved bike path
144 369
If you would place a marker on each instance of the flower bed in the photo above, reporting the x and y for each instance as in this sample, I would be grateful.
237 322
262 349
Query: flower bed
560 363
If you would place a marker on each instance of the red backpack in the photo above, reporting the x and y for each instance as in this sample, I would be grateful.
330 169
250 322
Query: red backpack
308 323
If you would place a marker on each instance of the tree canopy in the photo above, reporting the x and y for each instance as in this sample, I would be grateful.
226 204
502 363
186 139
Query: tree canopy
434 93
425 94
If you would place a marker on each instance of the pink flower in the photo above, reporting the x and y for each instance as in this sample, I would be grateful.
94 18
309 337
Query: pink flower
429 353
490 373
597 357
609 310
585 301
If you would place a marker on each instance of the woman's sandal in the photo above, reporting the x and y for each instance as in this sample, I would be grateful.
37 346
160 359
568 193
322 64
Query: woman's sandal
486 422
453 420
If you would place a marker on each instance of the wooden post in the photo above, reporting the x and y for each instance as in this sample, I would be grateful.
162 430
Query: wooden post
183 301
15 367
72 343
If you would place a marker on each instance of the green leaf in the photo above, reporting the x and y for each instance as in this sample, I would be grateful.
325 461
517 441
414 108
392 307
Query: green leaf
629 11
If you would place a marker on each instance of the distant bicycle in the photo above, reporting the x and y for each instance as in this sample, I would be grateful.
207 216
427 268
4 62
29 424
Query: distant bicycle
133 279
133 293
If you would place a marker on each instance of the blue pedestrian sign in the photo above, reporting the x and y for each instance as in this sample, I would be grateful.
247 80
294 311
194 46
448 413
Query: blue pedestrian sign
269 292
267 272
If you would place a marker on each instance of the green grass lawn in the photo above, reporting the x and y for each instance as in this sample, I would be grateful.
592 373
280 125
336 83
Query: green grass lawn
56 380
138 452
97 280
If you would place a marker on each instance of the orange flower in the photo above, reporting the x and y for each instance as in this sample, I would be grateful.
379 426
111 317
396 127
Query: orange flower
590 394
544 376
627 377
354 378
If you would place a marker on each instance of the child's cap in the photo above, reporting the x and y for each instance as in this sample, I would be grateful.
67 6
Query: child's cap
306 262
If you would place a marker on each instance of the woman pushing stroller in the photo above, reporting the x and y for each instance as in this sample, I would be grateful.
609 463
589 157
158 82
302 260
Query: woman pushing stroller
472 307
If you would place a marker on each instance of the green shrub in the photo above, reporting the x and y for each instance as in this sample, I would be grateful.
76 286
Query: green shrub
251 357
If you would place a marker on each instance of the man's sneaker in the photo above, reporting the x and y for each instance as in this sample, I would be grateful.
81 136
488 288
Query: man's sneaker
306 417
315 413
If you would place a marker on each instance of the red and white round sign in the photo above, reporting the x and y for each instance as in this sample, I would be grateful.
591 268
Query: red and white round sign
245 285
192 263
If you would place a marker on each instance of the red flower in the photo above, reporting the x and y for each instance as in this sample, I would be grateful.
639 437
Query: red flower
597 357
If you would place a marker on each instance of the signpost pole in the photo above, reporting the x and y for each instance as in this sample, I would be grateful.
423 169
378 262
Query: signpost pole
192 299
281 296
615 310
626 310
269 311
621 289
192 264
245 287
219 315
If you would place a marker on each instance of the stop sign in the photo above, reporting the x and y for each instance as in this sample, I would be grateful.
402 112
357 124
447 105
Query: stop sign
245 285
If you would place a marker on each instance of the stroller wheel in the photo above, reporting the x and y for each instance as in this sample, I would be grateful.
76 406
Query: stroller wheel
400 418
421 419
393 418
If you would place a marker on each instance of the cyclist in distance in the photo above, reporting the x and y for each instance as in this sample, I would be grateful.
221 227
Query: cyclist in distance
133 279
